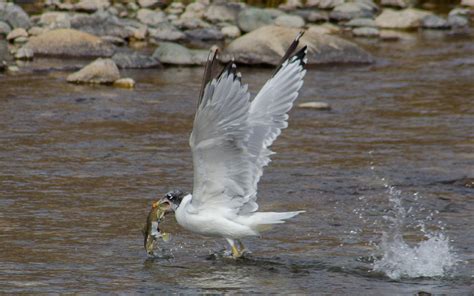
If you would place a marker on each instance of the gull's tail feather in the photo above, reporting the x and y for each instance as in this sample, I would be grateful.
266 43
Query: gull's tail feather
261 221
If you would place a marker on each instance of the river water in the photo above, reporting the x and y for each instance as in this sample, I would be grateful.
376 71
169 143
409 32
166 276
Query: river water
385 178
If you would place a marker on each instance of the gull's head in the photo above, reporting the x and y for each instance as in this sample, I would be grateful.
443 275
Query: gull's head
173 199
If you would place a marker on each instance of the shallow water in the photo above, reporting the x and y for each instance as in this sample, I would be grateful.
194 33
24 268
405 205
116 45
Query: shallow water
80 165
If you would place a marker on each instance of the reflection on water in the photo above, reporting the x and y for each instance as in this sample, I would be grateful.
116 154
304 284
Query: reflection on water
80 166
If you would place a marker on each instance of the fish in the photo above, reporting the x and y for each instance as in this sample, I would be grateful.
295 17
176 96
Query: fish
151 230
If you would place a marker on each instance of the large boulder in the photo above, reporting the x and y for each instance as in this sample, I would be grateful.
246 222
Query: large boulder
69 42
135 60
175 54
254 18
409 18
14 15
101 71
267 45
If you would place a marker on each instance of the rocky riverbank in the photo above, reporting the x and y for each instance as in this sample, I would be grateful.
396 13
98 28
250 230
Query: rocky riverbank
180 34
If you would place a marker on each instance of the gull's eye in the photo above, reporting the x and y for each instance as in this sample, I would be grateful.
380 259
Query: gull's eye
169 196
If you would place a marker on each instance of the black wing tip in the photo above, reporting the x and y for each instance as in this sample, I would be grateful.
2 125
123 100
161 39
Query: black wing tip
289 53
300 56
230 69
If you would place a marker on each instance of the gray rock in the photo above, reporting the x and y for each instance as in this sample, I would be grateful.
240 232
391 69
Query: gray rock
460 11
276 13
124 83
205 34
175 54
194 10
223 12
291 5
292 21
267 45
100 71
114 40
4 28
102 23
150 17
91 5
55 20
20 40
191 23
315 106
175 8
35 31
16 33
323 4
351 10
69 42
368 32
14 15
253 18
24 53
361 22
166 32
457 21
401 19
135 61
397 3
317 17
4 55
148 3
231 31
434 22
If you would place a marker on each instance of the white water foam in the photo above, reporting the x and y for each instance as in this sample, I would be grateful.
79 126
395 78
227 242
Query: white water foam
432 257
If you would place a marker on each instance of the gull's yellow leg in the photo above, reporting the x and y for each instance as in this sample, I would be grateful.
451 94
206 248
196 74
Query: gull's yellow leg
241 246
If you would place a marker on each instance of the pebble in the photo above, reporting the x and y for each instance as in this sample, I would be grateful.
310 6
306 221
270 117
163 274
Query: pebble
16 33
125 83
315 105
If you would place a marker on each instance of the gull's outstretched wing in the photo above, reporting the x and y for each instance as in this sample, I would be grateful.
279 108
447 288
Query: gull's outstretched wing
218 143
268 112
231 136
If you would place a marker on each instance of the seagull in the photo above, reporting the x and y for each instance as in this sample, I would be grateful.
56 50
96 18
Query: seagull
230 144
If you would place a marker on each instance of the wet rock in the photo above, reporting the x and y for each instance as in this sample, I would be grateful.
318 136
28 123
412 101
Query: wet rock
352 10
205 34
323 4
55 20
175 54
148 3
223 12
315 105
231 32
102 23
135 61
397 3
367 32
4 28
14 16
150 17
69 42
434 22
191 23
292 21
267 45
91 5
100 71
114 40
124 83
16 33
166 32
361 22
390 35
24 53
403 19
4 54
317 17
253 18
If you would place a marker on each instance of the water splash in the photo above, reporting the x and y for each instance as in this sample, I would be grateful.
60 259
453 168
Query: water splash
432 257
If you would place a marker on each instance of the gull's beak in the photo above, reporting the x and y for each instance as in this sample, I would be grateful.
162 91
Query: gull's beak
163 204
